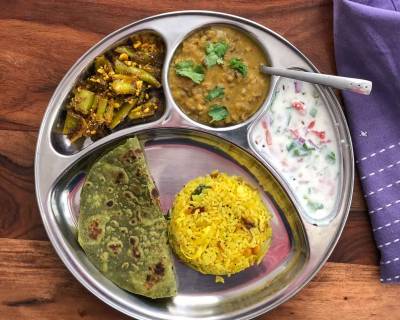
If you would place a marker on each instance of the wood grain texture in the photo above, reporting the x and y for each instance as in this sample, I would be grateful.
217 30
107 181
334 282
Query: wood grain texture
36 285
49 54
19 215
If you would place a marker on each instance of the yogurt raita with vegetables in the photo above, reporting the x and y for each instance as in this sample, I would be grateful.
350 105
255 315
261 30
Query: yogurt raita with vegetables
297 136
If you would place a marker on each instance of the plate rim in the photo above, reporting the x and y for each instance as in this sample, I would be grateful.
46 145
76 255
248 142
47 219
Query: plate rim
74 268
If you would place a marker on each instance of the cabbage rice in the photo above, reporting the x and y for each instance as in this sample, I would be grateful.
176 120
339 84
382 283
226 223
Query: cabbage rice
219 224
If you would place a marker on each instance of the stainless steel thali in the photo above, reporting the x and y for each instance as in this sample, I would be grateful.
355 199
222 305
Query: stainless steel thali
179 149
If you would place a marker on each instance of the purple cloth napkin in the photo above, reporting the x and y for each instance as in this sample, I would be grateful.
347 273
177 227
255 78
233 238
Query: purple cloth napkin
367 45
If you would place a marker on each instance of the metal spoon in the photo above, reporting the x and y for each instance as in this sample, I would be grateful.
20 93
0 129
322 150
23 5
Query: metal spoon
343 83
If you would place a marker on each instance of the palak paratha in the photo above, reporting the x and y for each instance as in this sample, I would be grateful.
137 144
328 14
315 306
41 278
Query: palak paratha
121 226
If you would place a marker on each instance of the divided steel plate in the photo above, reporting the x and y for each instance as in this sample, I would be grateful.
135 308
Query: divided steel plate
179 149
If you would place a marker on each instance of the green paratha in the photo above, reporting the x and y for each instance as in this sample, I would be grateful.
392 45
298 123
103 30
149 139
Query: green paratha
121 226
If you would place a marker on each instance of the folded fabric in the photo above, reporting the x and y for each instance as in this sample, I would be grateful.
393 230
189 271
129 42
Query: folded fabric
367 45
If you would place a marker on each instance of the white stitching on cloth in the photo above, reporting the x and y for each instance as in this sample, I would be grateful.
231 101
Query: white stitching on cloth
386 225
390 261
380 170
380 189
380 151
389 243
390 279
384 206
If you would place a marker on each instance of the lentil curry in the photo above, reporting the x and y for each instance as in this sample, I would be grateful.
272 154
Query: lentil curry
215 76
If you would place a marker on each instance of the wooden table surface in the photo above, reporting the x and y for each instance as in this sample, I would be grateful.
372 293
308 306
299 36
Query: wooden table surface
39 42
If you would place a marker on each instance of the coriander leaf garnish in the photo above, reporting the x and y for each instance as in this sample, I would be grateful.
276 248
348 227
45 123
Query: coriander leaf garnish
199 189
215 52
307 148
217 113
217 92
314 205
313 112
238 65
188 69
298 149
291 146
331 157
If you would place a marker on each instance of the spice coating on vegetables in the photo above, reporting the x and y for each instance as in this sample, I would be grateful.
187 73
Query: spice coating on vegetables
122 87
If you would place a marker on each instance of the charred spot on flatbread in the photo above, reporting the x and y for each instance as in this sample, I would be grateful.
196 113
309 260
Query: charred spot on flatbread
94 229
154 193
155 274
114 174
115 246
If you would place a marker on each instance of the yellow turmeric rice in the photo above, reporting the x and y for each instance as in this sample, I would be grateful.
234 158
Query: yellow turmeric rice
219 224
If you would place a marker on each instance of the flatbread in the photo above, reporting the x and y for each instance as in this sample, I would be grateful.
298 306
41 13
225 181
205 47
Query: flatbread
121 226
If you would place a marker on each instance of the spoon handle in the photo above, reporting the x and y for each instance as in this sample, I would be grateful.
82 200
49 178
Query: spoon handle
343 83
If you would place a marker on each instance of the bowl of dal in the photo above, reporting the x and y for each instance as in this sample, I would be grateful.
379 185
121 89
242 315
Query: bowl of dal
214 76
